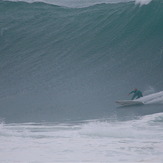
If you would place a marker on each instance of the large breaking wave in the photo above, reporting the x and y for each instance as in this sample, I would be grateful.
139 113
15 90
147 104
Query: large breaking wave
76 61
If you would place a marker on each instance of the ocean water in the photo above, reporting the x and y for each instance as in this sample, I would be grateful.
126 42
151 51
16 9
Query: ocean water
100 141
63 64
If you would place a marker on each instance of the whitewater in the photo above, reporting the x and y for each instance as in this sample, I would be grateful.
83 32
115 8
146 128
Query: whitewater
134 141
83 3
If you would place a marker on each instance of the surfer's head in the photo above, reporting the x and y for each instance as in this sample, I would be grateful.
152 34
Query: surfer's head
135 89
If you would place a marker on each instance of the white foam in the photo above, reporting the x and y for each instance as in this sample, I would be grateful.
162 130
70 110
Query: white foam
142 2
131 141
131 129
82 3
155 98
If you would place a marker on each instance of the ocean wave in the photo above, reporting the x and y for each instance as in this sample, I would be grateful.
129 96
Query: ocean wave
64 61
81 4
143 127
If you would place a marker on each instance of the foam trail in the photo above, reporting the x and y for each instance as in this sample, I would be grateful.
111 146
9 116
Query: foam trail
152 98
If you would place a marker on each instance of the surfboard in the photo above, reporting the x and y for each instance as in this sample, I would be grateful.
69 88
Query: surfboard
129 102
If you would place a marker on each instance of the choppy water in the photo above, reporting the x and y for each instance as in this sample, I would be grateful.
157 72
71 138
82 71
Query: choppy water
100 141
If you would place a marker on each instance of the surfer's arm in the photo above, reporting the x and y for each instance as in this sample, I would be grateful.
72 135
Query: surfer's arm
131 92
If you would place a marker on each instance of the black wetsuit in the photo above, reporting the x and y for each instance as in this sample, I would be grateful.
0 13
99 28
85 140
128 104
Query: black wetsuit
137 94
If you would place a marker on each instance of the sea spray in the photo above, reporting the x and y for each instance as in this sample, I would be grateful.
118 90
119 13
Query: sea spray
142 2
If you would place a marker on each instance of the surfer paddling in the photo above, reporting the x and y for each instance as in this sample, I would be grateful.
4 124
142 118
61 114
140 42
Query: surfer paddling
136 94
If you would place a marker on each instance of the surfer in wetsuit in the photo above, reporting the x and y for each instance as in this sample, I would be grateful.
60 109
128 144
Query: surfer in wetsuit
137 94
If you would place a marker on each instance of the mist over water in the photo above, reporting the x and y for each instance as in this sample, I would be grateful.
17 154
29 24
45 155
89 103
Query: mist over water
59 63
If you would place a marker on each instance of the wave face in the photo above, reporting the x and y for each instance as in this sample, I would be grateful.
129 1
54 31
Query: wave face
69 62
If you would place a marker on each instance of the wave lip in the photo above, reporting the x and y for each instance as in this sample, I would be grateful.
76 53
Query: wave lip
83 3
142 2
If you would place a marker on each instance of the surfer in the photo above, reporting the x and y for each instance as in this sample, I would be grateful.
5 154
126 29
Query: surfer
137 94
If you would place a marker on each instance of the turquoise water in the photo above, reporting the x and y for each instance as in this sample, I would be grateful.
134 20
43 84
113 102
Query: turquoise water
67 61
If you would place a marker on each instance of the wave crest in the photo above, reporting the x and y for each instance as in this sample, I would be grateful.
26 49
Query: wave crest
142 2
84 3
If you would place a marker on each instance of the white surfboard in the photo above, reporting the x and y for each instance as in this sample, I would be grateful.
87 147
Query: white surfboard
129 102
